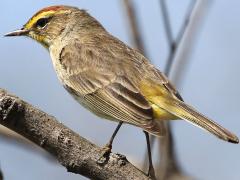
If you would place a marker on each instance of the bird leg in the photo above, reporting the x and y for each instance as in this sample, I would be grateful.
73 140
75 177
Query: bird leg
108 147
151 172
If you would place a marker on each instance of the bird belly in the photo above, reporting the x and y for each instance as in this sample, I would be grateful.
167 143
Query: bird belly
62 74
94 110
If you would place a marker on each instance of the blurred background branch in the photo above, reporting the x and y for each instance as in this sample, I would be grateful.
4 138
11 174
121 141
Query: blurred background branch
166 148
205 70
139 44
134 26
187 41
12 137
1 175
168 164
168 167
174 44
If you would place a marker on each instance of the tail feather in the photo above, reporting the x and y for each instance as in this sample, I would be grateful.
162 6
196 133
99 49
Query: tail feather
186 112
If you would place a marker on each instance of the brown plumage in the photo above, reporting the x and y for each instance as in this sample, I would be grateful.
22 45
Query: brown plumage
107 86
108 77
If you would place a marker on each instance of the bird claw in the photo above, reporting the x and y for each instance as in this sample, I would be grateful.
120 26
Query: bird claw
151 173
106 151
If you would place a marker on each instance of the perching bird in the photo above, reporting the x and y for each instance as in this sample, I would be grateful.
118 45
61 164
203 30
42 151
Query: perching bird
108 77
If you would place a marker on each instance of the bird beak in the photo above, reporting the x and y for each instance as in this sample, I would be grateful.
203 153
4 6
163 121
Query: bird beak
20 32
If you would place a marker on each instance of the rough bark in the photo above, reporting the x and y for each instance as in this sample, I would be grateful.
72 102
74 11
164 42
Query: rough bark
74 152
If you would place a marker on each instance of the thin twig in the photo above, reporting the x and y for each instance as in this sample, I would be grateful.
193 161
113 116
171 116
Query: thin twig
74 152
186 22
174 44
166 21
168 164
189 38
139 45
1 175
137 40
169 167
11 137
134 26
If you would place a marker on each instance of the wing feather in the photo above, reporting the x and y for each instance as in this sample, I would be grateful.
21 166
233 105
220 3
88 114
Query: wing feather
107 89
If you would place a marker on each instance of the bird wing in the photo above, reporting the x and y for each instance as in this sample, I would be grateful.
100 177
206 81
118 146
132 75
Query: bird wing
106 89
118 82
152 89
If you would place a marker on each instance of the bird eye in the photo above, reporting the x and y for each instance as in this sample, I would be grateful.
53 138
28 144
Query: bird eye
41 23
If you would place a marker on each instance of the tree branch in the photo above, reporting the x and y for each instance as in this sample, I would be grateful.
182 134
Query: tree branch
174 44
134 26
169 167
139 43
12 137
74 152
1 175
190 36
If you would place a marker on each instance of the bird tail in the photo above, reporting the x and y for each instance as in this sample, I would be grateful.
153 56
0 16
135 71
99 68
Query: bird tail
186 112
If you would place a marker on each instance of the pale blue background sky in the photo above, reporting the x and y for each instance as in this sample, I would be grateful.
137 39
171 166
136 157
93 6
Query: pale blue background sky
211 84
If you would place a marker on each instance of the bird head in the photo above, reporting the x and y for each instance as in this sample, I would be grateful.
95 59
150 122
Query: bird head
56 21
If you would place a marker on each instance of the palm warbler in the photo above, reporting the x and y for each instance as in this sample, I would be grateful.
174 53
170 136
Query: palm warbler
108 77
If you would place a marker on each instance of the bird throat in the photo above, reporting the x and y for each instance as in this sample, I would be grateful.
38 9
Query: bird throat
39 38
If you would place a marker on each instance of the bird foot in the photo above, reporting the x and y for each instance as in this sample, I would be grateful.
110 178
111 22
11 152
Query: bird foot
151 173
106 151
